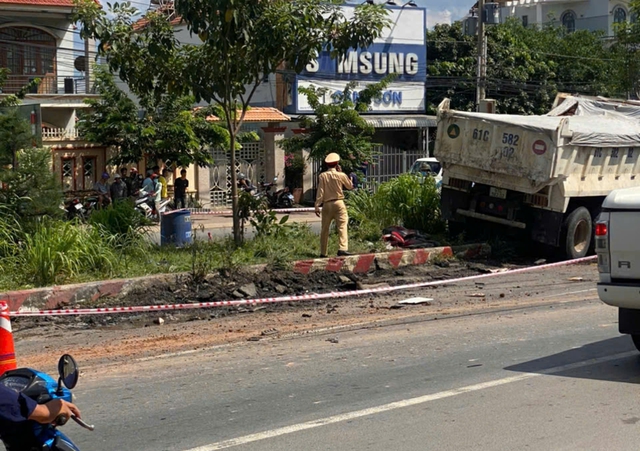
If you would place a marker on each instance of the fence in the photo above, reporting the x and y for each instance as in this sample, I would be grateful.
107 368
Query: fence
249 160
388 164
59 133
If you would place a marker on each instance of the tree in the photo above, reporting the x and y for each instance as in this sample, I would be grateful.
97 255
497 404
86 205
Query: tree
626 49
526 66
242 41
31 189
167 130
14 99
15 132
338 126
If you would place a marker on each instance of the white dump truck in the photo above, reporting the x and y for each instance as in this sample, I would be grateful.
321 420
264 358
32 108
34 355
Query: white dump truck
618 249
547 175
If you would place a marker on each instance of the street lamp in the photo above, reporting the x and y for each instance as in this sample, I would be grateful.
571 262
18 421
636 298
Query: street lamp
391 3
410 3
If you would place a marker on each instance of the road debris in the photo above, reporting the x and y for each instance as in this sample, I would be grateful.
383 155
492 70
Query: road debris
416 301
576 279
333 340
477 295
158 321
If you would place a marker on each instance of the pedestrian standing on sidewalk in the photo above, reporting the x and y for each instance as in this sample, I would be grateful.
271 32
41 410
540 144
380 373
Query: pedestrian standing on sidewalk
330 196
180 189
163 179
118 189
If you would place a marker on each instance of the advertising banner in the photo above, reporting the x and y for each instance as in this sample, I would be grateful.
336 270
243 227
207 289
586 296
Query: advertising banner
400 50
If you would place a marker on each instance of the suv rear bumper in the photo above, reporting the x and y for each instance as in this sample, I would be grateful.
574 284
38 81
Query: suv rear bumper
623 296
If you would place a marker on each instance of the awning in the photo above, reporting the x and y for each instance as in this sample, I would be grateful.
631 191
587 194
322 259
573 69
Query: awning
401 121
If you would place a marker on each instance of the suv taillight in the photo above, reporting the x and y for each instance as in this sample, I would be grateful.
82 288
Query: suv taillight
601 229
602 246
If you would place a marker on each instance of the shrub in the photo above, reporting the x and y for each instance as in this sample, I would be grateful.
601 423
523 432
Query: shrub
58 251
119 220
406 200
10 232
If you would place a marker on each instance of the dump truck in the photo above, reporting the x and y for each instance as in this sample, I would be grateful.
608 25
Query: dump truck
545 175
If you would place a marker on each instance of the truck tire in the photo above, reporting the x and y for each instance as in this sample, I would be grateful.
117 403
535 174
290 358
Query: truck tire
577 231
636 341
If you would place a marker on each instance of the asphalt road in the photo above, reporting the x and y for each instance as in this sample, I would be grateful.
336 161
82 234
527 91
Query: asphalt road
542 378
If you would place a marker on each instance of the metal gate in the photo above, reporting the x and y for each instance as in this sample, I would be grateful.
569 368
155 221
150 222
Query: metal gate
249 160
389 163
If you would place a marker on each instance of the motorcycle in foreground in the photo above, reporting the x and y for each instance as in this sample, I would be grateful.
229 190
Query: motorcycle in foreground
30 435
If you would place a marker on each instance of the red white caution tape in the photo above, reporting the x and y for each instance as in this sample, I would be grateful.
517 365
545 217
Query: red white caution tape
198 212
301 297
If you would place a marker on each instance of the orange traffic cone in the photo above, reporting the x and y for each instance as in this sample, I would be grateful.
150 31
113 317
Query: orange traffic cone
7 351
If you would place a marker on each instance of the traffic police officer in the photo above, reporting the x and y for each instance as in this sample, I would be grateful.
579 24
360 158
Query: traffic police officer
330 196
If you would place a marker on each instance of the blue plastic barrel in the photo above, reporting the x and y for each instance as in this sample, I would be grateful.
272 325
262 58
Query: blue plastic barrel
182 227
166 229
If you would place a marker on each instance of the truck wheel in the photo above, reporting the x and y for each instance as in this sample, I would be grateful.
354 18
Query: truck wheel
636 341
577 232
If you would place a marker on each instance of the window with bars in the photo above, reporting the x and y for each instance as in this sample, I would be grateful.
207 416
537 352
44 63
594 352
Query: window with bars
68 176
89 172
568 20
28 53
619 15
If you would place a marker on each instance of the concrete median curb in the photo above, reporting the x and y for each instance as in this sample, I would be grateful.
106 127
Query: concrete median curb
61 296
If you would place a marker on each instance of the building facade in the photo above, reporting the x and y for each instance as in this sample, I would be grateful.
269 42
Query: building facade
39 40
592 15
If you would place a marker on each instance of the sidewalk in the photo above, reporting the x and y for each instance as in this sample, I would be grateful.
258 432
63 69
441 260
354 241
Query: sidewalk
222 225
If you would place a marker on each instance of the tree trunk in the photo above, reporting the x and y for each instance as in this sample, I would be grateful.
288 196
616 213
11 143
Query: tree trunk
237 232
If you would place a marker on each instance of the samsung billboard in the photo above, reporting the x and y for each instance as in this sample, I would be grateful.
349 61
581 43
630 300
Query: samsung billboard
400 50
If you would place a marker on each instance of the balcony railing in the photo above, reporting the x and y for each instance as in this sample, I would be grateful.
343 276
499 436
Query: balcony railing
59 133
49 84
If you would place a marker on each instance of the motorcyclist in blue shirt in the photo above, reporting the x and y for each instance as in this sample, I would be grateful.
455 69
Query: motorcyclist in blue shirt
16 408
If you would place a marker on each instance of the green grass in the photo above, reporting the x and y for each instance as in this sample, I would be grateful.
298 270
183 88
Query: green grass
406 201
62 253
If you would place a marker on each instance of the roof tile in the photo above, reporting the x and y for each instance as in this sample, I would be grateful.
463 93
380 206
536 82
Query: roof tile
61 3
260 114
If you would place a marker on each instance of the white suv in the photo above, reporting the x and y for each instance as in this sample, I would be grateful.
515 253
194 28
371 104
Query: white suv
428 166
618 247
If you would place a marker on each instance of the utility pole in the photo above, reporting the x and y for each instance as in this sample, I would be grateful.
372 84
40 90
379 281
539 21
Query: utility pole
87 67
482 56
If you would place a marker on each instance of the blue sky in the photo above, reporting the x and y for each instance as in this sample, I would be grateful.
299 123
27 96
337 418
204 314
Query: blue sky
445 11
438 11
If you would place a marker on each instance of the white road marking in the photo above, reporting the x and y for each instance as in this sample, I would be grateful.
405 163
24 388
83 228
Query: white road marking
402 404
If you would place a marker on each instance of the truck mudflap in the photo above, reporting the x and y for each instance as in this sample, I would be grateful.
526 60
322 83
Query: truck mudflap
546 226
451 200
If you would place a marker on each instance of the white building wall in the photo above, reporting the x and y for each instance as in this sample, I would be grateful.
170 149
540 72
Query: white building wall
265 95
590 15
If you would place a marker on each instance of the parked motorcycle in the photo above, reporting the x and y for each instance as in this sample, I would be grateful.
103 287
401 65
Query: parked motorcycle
74 209
143 204
146 205
281 198
30 435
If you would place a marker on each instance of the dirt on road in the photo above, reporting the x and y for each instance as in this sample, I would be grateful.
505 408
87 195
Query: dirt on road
99 340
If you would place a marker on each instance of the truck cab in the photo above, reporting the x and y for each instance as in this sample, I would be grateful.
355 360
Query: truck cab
617 243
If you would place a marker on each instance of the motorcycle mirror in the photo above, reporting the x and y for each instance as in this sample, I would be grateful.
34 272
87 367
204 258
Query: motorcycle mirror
68 371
